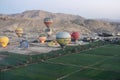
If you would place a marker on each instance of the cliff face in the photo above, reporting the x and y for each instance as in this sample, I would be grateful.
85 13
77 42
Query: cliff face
32 23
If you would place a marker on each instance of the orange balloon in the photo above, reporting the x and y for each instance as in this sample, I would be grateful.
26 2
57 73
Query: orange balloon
42 39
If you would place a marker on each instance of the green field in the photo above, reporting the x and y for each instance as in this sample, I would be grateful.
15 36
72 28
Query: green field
100 63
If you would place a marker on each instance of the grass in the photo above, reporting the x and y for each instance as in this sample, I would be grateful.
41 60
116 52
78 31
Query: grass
112 64
12 59
44 71
108 50
78 59
92 74
101 63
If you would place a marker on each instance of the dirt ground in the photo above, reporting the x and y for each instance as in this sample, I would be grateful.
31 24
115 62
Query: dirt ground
34 48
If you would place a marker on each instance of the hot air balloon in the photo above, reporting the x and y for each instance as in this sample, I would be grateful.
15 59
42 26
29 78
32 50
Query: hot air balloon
42 38
63 38
48 31
24 44
19 31
48 22
4 41
75 36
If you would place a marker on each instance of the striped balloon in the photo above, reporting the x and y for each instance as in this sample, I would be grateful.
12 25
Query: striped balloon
63 38
48 22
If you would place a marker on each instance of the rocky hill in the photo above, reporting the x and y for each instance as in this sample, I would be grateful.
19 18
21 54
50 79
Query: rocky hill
32 23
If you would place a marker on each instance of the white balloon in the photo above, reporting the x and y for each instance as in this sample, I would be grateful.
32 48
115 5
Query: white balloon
63 35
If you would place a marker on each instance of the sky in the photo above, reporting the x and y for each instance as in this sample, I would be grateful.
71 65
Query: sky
86 8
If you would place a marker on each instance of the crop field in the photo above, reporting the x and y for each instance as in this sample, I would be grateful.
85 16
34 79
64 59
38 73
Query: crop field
11 59
100 63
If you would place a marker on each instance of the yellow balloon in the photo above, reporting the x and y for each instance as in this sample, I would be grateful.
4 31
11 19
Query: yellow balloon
4 41
19 31
64 41
63 38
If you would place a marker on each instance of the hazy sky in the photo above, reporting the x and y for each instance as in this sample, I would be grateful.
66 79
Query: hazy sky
86 8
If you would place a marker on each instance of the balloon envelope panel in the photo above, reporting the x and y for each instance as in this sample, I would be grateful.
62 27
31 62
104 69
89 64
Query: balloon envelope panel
48 20
64 41
62 35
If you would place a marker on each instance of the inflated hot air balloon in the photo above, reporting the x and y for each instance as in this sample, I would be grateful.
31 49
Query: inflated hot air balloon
63 38
19 31
42 38
48 31
75 36
48 22
4 41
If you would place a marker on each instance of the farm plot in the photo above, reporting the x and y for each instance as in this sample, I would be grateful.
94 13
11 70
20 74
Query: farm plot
108 50
40 71
79 59
111 64
101 63
93 74
11 59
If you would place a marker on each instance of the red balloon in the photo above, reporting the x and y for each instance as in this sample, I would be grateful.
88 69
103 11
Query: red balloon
48 22
75 35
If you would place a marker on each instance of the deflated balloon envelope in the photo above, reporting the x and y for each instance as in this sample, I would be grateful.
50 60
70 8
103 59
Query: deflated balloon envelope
24 44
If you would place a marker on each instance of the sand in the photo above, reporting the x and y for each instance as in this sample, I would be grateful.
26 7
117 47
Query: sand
34 48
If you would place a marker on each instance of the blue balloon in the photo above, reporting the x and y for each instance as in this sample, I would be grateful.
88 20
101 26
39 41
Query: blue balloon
24 44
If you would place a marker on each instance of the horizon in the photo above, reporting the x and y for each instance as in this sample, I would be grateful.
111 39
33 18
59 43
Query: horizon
104 9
